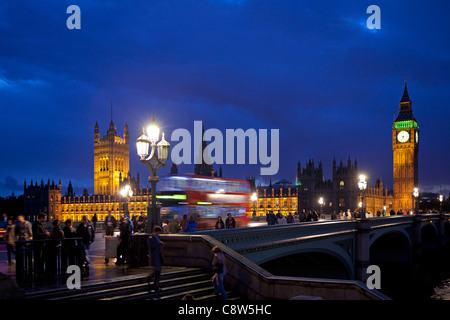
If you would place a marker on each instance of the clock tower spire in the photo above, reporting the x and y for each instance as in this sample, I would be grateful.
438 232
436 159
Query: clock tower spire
405 145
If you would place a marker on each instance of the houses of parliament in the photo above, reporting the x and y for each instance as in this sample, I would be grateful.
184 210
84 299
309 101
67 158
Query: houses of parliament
112 171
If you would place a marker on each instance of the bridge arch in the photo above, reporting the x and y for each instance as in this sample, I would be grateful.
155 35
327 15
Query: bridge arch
430 236
391 246
312 263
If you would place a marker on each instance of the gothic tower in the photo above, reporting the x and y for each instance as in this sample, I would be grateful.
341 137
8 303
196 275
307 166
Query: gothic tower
405 145
111 159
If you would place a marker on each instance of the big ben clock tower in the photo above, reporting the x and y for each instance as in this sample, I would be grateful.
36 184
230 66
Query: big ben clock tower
405 145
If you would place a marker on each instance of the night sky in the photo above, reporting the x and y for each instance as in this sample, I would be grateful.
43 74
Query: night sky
311 69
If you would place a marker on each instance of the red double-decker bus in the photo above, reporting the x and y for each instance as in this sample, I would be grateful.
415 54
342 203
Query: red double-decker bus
205 198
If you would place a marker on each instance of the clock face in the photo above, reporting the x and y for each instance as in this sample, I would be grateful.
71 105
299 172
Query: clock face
402 136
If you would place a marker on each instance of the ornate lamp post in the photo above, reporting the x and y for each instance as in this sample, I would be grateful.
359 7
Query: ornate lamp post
362 185
416 196
254 198
126 192
441 199
158 156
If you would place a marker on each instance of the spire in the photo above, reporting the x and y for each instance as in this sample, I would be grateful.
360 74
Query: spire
405 113
112 128
405 97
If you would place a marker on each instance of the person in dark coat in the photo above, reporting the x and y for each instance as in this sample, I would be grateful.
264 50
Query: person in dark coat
124 239
110 224
155 246
219 223
230 223
39 233
69 231
86 232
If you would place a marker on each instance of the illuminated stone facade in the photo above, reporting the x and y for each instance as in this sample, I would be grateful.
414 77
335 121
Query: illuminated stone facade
111 160
405 145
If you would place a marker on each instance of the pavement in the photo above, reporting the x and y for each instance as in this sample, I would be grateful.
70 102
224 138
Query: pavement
99 271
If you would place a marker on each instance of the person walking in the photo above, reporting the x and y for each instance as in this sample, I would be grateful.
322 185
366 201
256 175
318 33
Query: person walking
219 268
230 223
124 239
175 225
110 224
191 225
23 229
86 232
94 221
219 223
155 246
10 238
183 223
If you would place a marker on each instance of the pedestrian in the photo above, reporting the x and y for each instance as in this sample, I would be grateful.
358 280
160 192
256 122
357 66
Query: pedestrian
219 223
124 239
94 221
191 225
39 230
333 215
302 216
281 219
315 217
57 233
52 249
290 218
4 217
230 223
141 223
271 219
69 230
183 223
86 232
23 229
68 246
219 268
175 225
11 238
155 246
110 224
39 233
166 226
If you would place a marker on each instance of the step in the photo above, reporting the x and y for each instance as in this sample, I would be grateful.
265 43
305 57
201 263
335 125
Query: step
63 292
128 290
173 288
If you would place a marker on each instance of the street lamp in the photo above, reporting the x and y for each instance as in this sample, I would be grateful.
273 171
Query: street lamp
126 192
321 202
416 196
362 185
441 199
254 198
158 156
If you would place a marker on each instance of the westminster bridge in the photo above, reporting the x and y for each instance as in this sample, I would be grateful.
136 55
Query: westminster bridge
342 248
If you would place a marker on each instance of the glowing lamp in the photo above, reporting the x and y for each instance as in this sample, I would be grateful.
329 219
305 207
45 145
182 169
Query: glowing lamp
153 131
163 149
142 144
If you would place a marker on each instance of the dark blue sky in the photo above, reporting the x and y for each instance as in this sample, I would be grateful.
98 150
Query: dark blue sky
309 68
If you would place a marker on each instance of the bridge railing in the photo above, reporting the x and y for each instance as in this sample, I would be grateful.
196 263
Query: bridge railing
254 237
252 281
42 260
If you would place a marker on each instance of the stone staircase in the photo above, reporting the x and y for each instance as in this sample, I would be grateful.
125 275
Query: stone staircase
175 285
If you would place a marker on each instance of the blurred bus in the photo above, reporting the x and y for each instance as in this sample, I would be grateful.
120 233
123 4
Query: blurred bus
205 198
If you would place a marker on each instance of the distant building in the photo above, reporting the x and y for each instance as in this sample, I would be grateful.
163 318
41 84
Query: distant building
42 198
281 197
